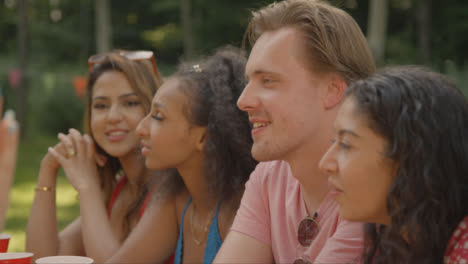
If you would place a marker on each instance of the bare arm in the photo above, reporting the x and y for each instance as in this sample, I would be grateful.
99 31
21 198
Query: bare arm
42 223
154 238
8 148
99 240
241 248
98 237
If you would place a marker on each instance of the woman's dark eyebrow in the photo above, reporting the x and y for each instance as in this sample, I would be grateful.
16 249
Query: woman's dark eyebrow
127 95
341 132
99 98
121 96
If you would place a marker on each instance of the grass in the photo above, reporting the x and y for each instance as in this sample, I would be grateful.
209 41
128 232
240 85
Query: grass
30 153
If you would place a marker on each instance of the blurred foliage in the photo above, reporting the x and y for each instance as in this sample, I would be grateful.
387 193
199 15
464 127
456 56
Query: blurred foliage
450 28
61 38
62 31
167 40
60 110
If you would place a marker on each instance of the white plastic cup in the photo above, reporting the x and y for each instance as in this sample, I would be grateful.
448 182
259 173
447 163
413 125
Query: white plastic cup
65 260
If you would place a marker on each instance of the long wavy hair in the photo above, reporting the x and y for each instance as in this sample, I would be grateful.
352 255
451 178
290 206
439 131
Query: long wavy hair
213 85
144 83
424 119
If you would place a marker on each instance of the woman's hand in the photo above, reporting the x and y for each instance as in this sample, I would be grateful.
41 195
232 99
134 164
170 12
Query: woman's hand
49 162
79 160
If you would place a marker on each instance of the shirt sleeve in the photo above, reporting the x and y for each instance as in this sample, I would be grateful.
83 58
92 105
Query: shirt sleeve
457 249
345 245
253 215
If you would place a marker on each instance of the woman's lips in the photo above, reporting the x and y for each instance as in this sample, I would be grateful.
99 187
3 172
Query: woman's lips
145 149
334 191
116 135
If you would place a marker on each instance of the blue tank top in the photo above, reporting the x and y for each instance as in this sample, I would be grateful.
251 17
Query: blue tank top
213 242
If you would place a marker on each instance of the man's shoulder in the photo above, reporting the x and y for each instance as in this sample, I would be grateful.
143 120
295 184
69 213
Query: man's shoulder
274 178
276 170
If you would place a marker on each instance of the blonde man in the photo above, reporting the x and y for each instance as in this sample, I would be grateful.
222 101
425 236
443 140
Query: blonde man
305 53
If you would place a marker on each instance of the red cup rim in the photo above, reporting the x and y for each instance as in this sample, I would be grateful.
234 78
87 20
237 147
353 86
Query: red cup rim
5 236
15 255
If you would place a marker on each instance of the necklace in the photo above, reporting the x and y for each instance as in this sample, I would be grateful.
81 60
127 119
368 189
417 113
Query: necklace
197 241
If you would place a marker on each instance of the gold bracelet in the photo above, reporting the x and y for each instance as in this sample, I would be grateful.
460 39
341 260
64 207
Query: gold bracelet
45 189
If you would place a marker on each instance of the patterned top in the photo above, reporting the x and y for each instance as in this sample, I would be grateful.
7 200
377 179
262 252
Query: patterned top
457 249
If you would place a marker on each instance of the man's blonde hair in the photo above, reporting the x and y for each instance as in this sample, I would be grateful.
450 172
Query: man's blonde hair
332 40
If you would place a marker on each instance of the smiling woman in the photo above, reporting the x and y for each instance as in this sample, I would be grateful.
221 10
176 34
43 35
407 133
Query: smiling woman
114 101
195 128
399 162
104 165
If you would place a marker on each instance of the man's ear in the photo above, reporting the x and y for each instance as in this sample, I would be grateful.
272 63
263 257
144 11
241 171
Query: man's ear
335 91
201 138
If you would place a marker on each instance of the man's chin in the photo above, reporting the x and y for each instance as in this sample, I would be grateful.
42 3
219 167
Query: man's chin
261 154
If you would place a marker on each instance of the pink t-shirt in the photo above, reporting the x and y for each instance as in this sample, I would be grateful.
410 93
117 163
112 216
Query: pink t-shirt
272 208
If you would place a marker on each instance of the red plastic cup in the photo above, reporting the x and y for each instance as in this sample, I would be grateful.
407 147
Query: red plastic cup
4 241
16 258
65 260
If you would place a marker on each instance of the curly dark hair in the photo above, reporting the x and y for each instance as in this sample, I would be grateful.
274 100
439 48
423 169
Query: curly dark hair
424 119
213 85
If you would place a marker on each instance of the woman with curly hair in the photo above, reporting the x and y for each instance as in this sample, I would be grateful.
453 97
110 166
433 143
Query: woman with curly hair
399 162
195 128
112 188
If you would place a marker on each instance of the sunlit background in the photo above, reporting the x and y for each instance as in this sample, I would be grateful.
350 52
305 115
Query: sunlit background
44 46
